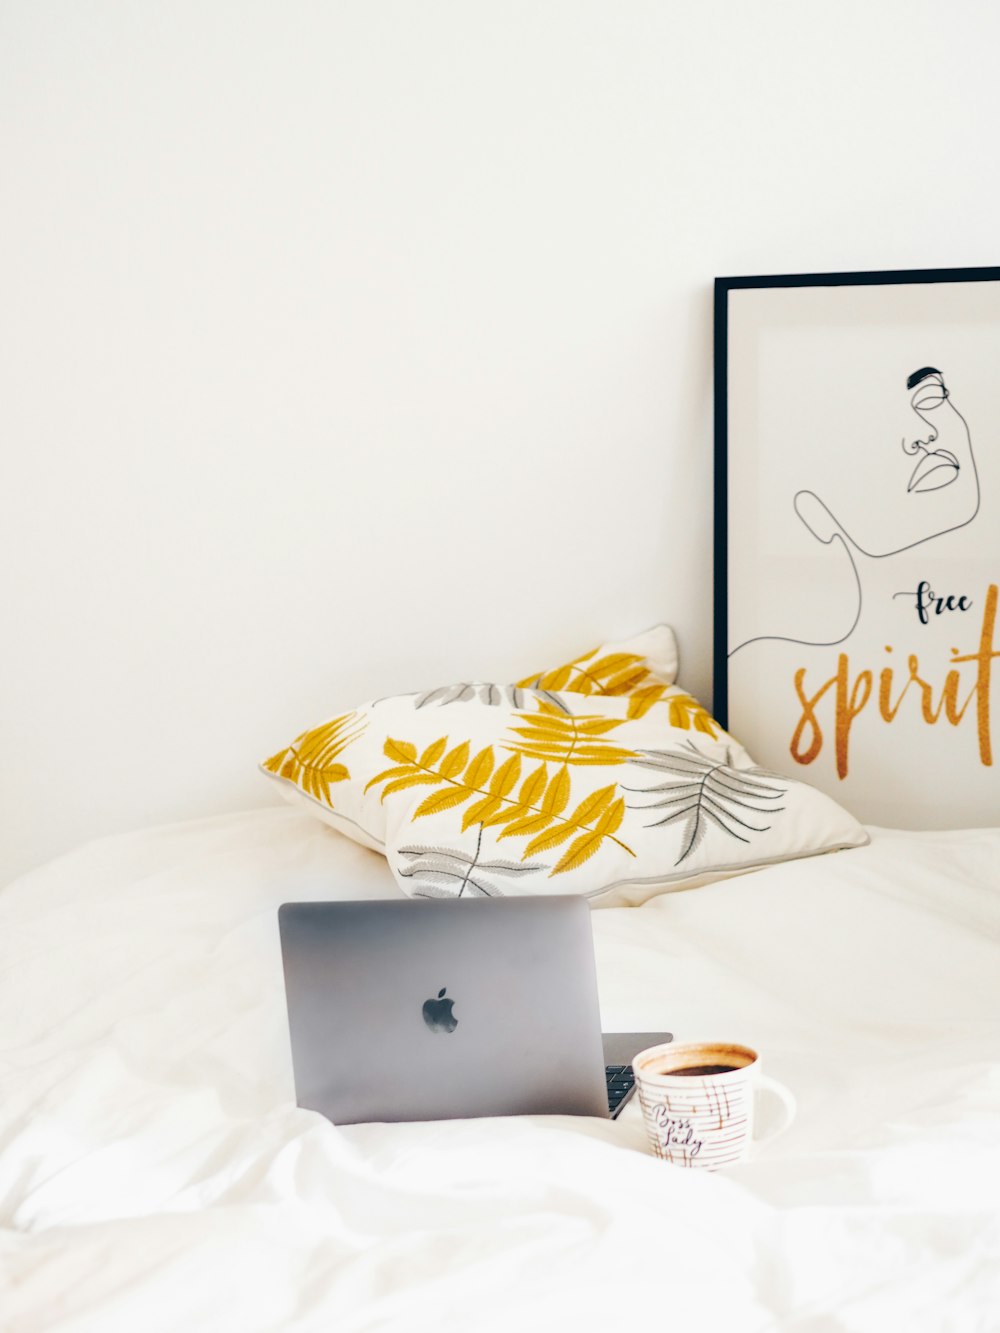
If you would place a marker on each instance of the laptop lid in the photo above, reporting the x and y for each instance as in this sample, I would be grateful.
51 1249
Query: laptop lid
434 1009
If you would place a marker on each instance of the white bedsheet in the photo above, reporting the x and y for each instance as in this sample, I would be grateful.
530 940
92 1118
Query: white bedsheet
156 1175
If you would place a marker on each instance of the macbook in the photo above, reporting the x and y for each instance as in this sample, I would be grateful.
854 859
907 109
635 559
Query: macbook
437 1009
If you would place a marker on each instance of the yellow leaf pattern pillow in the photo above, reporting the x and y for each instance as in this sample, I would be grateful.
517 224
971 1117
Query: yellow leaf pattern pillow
600 777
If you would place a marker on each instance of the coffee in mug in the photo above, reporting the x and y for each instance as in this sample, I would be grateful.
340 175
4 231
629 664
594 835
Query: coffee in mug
698 1101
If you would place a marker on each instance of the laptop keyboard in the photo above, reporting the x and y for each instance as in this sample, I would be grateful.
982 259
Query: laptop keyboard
621 1082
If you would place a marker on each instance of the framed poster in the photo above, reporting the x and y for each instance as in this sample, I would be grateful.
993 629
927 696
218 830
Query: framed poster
857 525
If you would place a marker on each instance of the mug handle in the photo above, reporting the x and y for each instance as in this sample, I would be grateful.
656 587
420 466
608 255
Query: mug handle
787 1101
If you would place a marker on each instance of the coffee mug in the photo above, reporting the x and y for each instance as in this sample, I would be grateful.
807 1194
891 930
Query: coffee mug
698 1100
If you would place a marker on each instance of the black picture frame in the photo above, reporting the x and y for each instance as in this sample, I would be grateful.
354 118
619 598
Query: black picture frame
724 287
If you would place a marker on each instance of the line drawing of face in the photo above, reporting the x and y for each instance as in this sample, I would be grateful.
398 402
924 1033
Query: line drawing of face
938 489
935 467
938 493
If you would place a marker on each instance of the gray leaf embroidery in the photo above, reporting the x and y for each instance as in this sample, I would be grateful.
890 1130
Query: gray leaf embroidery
450 872
702 793
487 693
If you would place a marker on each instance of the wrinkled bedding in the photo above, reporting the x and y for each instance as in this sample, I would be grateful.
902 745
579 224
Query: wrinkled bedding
155 1173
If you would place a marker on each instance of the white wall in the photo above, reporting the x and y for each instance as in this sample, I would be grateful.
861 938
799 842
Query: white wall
351 347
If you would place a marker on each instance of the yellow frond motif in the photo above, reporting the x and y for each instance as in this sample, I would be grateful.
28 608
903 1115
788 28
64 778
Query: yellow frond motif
586 813
642 700
482 812
596 726
557 737
557 796
552 838
595 804
597 817
437 766
525 825
533 787
625 682
506 777
481 768
402 751
615 673
532 790
441 800
310 761
557 679
455 760
491 810
411 780
585 846
433 752
686 712
400 771
536 811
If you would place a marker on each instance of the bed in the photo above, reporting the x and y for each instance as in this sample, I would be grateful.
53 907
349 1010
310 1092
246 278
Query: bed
156 1174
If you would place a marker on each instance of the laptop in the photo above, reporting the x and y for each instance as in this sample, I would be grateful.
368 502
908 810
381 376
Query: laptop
438 1009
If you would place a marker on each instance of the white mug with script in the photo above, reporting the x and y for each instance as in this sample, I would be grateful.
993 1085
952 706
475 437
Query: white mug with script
698 1101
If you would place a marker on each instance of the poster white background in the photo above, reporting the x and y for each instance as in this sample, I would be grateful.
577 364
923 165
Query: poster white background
849 493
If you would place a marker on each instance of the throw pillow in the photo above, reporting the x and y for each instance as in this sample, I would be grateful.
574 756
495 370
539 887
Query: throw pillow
600 777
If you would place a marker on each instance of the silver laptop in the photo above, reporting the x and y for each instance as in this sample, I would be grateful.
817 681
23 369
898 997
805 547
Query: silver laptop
436 1009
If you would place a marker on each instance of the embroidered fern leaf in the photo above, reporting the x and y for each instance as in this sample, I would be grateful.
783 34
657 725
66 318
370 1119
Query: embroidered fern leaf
452 872
538 810
643 699
491 806
586 821
484 692
686 712
701 794
311 759
615 673
584 847
552 736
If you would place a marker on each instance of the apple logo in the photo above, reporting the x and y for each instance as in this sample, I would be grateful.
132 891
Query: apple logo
438 1015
